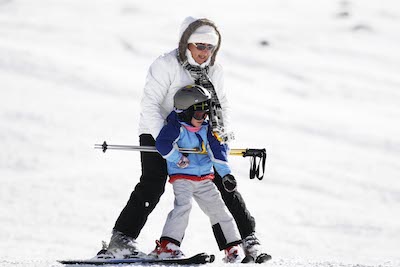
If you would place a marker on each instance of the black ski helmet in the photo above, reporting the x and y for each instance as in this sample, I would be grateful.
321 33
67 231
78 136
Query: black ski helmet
190 99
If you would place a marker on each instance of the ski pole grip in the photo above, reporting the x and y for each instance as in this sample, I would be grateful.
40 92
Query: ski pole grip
254 166
254 152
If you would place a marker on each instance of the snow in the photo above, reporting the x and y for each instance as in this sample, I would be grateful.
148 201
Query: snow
314 82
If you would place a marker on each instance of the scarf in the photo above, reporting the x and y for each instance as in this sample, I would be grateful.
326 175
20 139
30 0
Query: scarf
191 128
200 77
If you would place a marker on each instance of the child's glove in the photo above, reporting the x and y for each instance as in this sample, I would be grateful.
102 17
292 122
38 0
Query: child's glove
229 183
183 162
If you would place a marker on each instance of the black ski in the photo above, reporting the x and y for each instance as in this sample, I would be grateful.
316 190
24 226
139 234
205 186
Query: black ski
200 258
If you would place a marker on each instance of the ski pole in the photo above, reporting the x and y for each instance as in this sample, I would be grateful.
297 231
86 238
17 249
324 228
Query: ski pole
253 153
106 146
235 151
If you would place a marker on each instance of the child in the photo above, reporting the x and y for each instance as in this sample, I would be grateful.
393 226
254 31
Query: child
191 175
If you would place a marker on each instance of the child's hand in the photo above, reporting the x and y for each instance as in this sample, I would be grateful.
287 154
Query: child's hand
229 183
183 162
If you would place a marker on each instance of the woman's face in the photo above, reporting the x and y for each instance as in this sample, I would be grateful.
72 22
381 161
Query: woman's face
201 56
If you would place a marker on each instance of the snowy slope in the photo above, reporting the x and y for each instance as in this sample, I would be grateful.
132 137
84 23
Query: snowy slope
315 82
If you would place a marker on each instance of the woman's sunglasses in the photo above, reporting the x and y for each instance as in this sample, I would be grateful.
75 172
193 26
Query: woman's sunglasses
203 47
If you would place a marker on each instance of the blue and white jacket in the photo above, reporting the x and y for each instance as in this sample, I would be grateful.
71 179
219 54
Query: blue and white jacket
175 135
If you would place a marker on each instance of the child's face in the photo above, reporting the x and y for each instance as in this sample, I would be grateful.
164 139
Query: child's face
198 117
196 123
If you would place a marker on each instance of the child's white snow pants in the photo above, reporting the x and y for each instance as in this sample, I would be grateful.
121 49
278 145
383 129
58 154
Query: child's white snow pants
209 200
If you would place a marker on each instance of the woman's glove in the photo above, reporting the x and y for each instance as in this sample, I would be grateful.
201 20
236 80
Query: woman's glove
229 183
183 162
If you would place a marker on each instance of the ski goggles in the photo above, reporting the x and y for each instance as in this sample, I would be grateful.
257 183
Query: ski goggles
200 110
203 47
200 115
203 106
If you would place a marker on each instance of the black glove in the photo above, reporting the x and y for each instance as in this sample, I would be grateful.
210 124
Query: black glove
229 183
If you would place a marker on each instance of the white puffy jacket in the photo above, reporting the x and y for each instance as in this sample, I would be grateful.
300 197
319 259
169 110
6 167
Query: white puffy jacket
165 77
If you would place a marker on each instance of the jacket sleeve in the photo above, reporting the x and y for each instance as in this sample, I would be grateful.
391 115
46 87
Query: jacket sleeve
155 90
218 154
166 142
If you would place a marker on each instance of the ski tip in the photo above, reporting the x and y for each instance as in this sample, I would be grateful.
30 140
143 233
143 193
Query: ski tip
211 258
66 262
248 259
263 257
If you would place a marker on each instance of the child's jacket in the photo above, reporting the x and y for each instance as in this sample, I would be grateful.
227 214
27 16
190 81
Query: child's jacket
174 135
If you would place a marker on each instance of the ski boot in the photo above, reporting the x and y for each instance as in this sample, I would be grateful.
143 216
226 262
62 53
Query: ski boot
122 246
233 255
104 253
252 248
167 250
